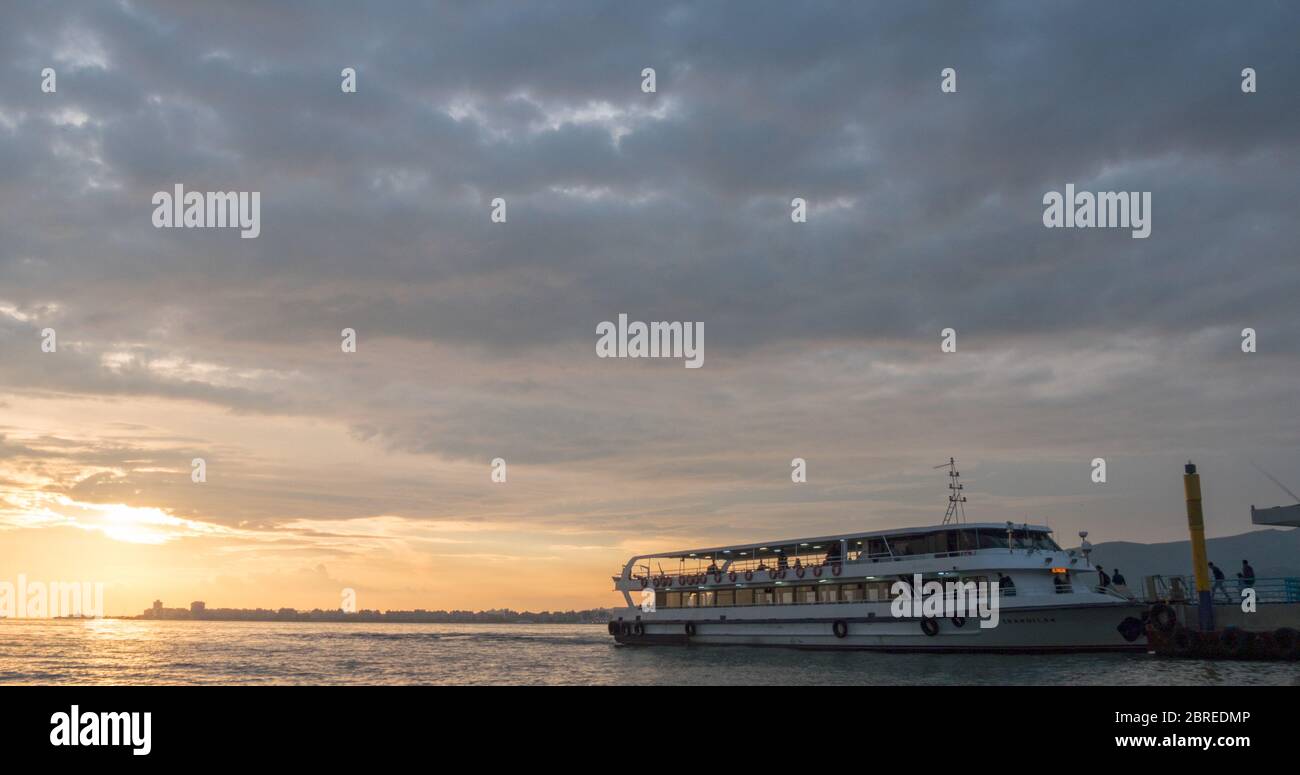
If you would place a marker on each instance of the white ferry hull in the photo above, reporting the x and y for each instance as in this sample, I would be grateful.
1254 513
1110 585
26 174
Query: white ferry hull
1071 628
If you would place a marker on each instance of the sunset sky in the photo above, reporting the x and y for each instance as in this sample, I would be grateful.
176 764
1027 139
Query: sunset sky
476 340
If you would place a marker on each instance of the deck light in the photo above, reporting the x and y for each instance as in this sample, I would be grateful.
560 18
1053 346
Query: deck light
1058 570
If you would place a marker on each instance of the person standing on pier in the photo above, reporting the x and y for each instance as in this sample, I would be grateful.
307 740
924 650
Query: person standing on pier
1218 582
1247 574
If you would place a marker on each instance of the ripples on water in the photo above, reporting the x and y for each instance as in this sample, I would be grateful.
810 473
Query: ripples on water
117 651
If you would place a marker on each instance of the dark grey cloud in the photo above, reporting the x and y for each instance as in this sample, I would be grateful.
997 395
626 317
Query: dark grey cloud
925 213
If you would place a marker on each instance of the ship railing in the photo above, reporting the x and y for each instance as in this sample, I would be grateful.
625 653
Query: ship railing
806 561
738 566
883 557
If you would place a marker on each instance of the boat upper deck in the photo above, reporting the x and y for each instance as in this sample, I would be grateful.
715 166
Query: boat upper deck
933 539
862 549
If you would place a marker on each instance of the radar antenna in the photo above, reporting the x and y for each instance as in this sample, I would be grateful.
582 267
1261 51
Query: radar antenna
956 514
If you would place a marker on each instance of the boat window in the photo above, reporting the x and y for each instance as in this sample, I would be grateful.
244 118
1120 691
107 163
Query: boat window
828 593
707 598
764 596
851 592
726 597
806 595
908 544
1044 541
878 590
661 598
992 538
744 597
690 599
674 600
785 595
941 542
876 547
966 540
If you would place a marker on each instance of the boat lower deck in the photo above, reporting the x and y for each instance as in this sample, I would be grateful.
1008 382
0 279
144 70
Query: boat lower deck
1042 629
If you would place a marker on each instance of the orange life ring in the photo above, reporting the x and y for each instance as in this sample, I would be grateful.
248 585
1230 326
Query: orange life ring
799 571
731 576
836 569
817 571
681 581
749 575
645 582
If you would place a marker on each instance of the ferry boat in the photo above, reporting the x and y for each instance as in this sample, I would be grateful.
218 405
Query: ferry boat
838 592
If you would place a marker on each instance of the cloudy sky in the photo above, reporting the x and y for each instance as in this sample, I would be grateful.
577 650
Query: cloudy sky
476 340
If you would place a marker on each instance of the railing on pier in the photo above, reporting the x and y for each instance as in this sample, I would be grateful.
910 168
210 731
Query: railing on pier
1182 589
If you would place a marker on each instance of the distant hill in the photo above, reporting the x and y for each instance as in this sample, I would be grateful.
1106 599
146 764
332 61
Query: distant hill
1272 553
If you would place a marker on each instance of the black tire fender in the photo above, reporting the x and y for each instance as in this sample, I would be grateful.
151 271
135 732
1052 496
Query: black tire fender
1131 629
1163 617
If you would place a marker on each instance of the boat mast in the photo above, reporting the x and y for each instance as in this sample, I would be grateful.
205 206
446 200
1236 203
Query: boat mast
956 514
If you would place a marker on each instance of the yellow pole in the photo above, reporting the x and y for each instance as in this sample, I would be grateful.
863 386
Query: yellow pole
1200 563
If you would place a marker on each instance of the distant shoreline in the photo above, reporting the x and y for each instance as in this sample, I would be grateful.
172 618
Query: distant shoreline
204 614
288 621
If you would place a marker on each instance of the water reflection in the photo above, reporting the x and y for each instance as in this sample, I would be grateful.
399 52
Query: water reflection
120 651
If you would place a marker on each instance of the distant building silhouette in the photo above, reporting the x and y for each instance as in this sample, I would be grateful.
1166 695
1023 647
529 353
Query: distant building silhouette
199 610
